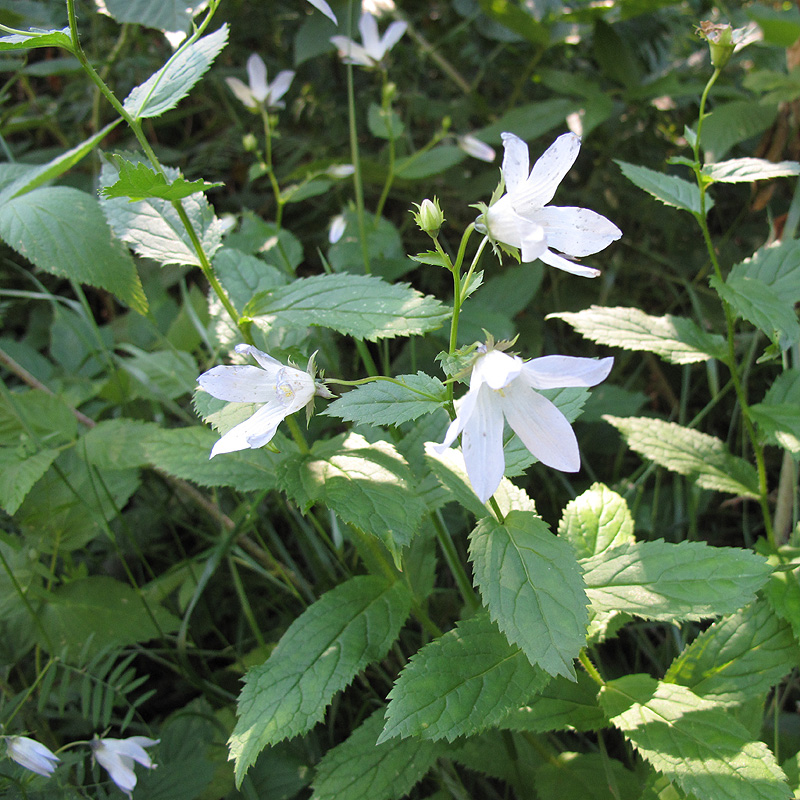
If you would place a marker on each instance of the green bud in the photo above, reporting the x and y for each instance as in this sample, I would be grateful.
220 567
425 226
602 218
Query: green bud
249 142
429 216
723 40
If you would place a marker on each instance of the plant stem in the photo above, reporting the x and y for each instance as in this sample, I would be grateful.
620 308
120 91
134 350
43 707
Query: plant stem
454 562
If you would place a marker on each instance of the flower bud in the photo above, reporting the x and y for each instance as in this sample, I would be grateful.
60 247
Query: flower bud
720 42
429 216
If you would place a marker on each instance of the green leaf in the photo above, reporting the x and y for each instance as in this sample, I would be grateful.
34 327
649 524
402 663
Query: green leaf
731 123
387 403
529 121
778 415
244 276
62 231
587 776
669 189
275 245
676 339
35 418
738 658
782 592
776 266
358 769
766 308
366 485
457 685
362 306
348 628
119 443
532 585
19 472
431 162
163 15
384 122
138 182
165 373
596 521
561 705
688 452
666 581
36 38
101 609
694 743
166 88
518 20
153 228
744 170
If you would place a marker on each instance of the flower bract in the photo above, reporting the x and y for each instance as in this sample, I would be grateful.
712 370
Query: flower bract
502 387
31 754
261 93
521 218
283 390
117 757
374 47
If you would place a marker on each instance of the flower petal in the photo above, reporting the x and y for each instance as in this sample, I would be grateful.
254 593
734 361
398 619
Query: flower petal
253 433
554 260
482 444
257 75
322 6
547 173
351 52
242 92
240 384
266 361
552 372
131 748
543 429
576 231
464 410
368 26
515 161
496 369
280 86
392 36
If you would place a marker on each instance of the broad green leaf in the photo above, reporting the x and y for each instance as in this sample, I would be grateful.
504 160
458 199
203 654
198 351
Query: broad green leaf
691 741
532 585
244 276
529 121
776 266
731 123
519 20
358 769
466 680
383 122
119 443
688 452
387 403
103 609
596 521
35 418
139 182
561 705
587 776
62 231
275 245
782 592
669 189
167 87
37 38
153 228
666 581
738 657
769 310
19 471
513 758
781 26
431 162
778 415
348 628
362 306
366 485
165 373
676 339
164 15
744 170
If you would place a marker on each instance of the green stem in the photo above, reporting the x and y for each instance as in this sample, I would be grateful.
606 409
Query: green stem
358 186
297 434
454 562
590 668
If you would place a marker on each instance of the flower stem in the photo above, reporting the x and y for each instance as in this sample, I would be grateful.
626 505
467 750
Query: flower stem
454 562
590 668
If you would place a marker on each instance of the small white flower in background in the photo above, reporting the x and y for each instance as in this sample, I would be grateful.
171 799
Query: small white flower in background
374 48
31 754
282 389
116 756
322 6
476 148
336 231
504 386
340 170
260 93
521 217
377 7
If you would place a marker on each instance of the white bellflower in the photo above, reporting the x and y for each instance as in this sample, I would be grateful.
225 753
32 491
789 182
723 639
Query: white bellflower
521 217
31 754
374 47
504 386
260 93
117 756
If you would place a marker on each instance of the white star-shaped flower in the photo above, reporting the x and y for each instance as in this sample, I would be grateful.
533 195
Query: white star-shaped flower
31 754
504 386
521 217
282 389
260 93
375 47
117 756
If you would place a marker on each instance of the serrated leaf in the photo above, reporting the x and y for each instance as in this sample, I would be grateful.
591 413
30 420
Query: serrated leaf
532 585
433 258
153 228
164 15
348 628
62 231
731 123
588 776
356 305
596 521
35 417
689 452
466 680
366 485
769 310
692 742
166 88
384 122
37 38
742 170
164 373
19 471
138 182
738 658
119 443
776 266
358 769
387 403
244 276
676 339
782 592
666 581
273 244
669 189
778 415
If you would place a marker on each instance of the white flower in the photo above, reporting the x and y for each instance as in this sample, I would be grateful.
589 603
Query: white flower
337 229
505 386
31 754
377 7
521 217
259 92
475 148
282 389
374 48
340 170
116 756
322 6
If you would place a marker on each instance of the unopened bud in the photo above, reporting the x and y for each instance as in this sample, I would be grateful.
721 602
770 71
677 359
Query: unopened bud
429 216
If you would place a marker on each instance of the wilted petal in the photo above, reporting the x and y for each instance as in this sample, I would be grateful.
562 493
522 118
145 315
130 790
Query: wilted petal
239 384
242 92
547 173
576 231
482 444
515 167
392 36
280 86
557 261
322 6
552 372
257 75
